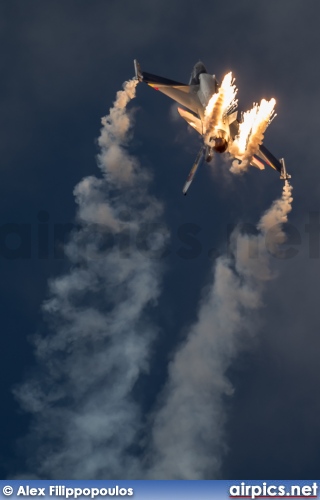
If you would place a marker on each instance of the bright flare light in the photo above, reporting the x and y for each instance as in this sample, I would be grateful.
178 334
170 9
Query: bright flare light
220 103
211 105
251 133
240 143
264 116
229 91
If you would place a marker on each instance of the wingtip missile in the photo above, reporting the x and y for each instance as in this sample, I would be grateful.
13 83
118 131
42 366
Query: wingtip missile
283 174
137 70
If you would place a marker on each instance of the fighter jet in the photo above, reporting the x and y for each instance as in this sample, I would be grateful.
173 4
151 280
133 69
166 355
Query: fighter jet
195 98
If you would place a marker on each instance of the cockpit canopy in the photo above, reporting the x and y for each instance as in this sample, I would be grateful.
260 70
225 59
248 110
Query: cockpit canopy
197 70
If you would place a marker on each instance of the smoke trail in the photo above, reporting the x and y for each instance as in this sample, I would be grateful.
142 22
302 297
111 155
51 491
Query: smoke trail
84 414
188 434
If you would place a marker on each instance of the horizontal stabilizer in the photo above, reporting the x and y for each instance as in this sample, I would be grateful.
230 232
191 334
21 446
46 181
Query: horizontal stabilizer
192 120
256 162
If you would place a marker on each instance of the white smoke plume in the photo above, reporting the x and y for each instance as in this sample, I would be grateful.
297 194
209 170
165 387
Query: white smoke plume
86 422
188 433
81 399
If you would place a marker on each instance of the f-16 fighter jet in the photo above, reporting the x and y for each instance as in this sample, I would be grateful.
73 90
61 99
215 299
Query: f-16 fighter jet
212 110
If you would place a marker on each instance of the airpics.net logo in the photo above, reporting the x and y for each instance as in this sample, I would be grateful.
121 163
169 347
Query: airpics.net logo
266 490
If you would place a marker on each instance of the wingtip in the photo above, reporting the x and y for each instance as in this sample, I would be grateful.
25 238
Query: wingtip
137 70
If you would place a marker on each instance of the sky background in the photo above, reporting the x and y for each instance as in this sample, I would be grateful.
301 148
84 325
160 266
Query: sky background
61 66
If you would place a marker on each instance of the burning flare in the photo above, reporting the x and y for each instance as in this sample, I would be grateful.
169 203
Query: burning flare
251 133
219 104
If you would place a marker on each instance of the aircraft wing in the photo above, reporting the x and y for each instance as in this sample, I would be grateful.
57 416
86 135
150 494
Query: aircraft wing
179 92
269 159
264 157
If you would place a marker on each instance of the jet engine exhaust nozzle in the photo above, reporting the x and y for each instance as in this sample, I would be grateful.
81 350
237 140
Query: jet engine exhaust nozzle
220 145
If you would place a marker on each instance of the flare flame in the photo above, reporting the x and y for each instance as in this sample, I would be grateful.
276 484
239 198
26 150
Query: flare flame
220 103
251 133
